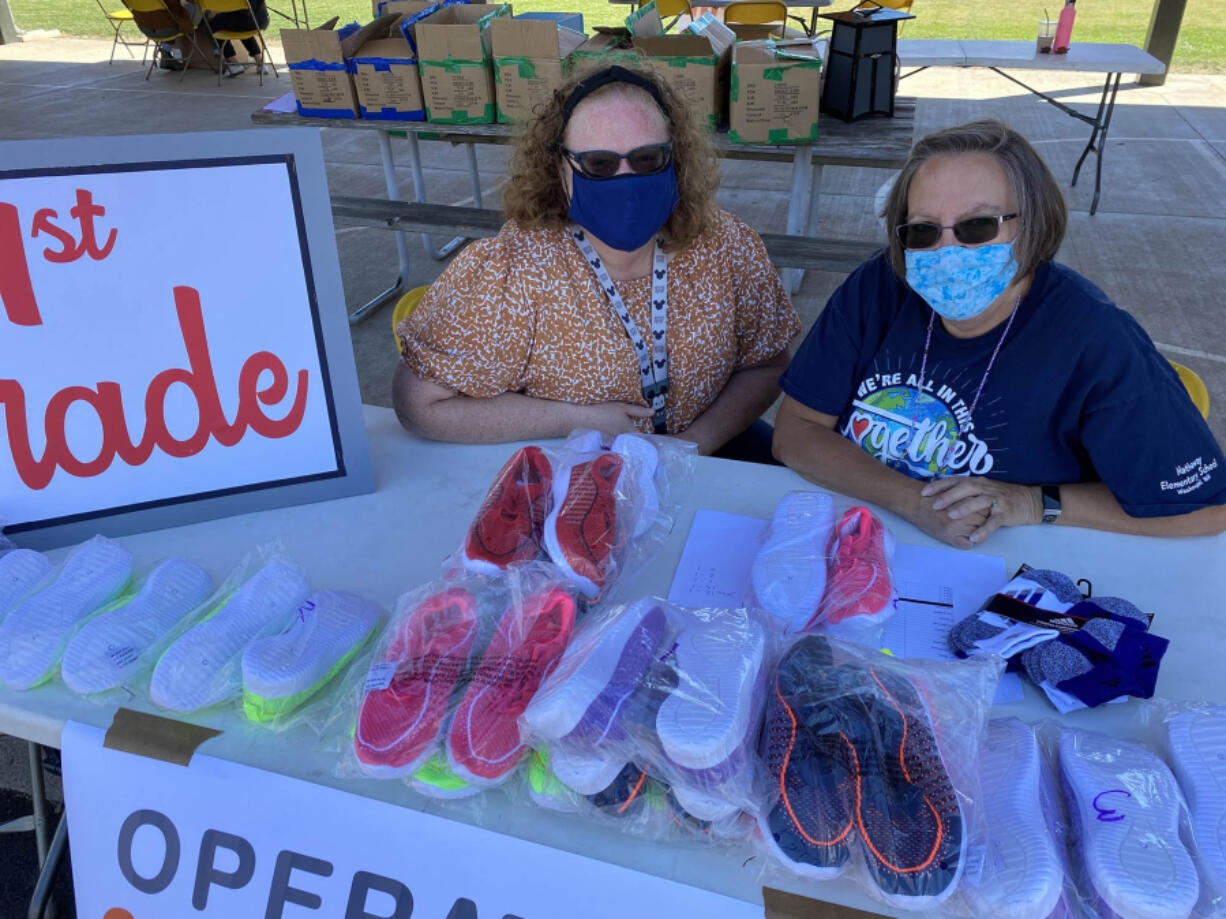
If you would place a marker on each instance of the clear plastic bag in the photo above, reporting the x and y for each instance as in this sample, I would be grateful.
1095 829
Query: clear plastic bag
876 764
594 510
201 665
826 568
451 674
94 576
661 694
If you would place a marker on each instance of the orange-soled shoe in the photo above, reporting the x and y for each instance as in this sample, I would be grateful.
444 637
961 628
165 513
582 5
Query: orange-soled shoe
507 528
483 745
811 826
581 532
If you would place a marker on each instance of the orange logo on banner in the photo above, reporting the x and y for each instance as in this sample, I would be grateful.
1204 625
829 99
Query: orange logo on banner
117 912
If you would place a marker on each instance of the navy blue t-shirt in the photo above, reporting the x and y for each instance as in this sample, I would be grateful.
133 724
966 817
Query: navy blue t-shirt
1078 393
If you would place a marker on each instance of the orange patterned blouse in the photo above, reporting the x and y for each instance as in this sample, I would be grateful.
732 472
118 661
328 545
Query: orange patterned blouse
522 312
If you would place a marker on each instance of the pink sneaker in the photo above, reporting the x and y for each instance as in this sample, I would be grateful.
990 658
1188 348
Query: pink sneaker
483 745
399 723
858 572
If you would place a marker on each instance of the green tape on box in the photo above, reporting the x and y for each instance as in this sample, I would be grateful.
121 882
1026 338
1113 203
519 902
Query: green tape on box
775 74
461 116
639 14
453 64
686 61
734 86
777 136
527 69
484 21
735 137
712 121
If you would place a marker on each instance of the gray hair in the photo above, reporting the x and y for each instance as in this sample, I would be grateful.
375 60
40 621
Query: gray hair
1042 213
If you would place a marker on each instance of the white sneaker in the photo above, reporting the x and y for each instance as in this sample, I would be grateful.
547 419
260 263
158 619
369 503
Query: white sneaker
33 636
112 647
789 571
203 667
20 572
281 672
1198 756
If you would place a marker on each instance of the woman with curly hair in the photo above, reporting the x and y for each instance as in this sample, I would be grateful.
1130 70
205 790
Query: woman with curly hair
616 297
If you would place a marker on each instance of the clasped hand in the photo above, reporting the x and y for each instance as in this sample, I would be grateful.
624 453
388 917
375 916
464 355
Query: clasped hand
965 510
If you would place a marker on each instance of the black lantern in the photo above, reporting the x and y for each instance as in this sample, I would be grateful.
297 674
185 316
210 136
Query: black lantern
860 63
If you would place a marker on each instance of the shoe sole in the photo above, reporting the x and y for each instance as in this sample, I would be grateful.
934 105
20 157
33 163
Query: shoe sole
585 694
1022 874
789 571
1124 805
446 673
586 775
204 666
108 649
33 636
433 779
705 721
645 460
281 672
1198 756
21 570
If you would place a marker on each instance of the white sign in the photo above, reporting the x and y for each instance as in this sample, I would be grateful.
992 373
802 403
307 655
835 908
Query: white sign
151 840
161 332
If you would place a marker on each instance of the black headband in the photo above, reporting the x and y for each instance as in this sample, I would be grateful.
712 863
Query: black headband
613 74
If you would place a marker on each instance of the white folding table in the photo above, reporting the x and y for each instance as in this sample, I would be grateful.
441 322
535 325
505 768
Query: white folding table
1114 60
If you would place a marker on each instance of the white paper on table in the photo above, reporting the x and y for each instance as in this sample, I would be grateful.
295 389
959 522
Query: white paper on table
936 587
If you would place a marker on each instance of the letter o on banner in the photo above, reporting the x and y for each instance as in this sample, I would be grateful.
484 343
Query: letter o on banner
170 860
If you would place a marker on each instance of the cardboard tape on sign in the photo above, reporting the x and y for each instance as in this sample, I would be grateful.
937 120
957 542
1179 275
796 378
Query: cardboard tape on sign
779 904
155 737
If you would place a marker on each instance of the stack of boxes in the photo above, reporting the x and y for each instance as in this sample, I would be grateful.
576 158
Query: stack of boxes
472 63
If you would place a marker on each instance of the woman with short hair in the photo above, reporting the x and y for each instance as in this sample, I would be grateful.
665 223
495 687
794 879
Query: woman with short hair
617 296
966 381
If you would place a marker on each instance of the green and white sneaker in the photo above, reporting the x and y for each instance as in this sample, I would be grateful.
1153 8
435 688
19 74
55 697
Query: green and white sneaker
545 788
436 780
281 672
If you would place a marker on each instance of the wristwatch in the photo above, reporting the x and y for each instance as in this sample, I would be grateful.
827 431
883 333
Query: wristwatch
1051 503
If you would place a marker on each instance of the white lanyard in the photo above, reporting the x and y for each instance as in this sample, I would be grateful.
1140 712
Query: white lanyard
653 362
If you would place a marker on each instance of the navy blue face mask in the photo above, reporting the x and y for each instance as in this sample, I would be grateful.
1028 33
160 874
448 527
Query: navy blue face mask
626 211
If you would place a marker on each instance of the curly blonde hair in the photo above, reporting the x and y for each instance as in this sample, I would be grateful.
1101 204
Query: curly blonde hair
535 196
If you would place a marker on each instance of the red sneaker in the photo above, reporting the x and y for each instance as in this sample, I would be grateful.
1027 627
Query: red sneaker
507 528
483 743
858 571
581 533
398 725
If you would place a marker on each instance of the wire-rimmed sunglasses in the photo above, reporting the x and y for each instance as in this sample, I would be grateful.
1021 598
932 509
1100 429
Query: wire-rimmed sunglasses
973 231
603 164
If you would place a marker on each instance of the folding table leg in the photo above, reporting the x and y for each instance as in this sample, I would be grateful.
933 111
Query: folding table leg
39 796
50 867
402 245
802 193
1098 137
419 193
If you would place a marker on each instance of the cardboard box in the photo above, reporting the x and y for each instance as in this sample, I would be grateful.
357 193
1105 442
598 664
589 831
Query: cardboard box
528 67
572 21
316 59
774 92
456 63
384 68
693 69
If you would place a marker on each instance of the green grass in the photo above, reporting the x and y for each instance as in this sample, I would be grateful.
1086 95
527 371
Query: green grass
1201 48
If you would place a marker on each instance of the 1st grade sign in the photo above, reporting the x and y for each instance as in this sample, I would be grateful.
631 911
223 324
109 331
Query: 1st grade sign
173 338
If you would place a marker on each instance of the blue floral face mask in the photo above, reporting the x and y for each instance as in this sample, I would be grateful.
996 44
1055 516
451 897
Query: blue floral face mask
960 283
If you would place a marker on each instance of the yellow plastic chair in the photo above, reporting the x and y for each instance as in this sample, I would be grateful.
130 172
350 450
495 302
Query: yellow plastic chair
235 6
404 307
674 8
1195 387
116 19
758 12
154 6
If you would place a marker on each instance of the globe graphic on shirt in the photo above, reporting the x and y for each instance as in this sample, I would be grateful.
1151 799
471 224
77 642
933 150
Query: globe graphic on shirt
897 405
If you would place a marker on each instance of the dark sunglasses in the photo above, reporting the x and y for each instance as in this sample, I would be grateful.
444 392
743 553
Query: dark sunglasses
603 164
973 231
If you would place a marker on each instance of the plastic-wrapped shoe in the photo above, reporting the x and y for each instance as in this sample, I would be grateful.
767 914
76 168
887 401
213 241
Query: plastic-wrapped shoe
483 744
20 572
859 589
1198 756
204 666
545 788
645 461
1124 807
623 796
434 779
811 826
408 692
282 672
110 648
507 528
789 571
581 531
34 634
1023 877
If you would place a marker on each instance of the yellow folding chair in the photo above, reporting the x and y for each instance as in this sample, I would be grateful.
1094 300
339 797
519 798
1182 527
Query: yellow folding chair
673 8
758 12
1196 388
404 307
155 6
116 19
236 6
